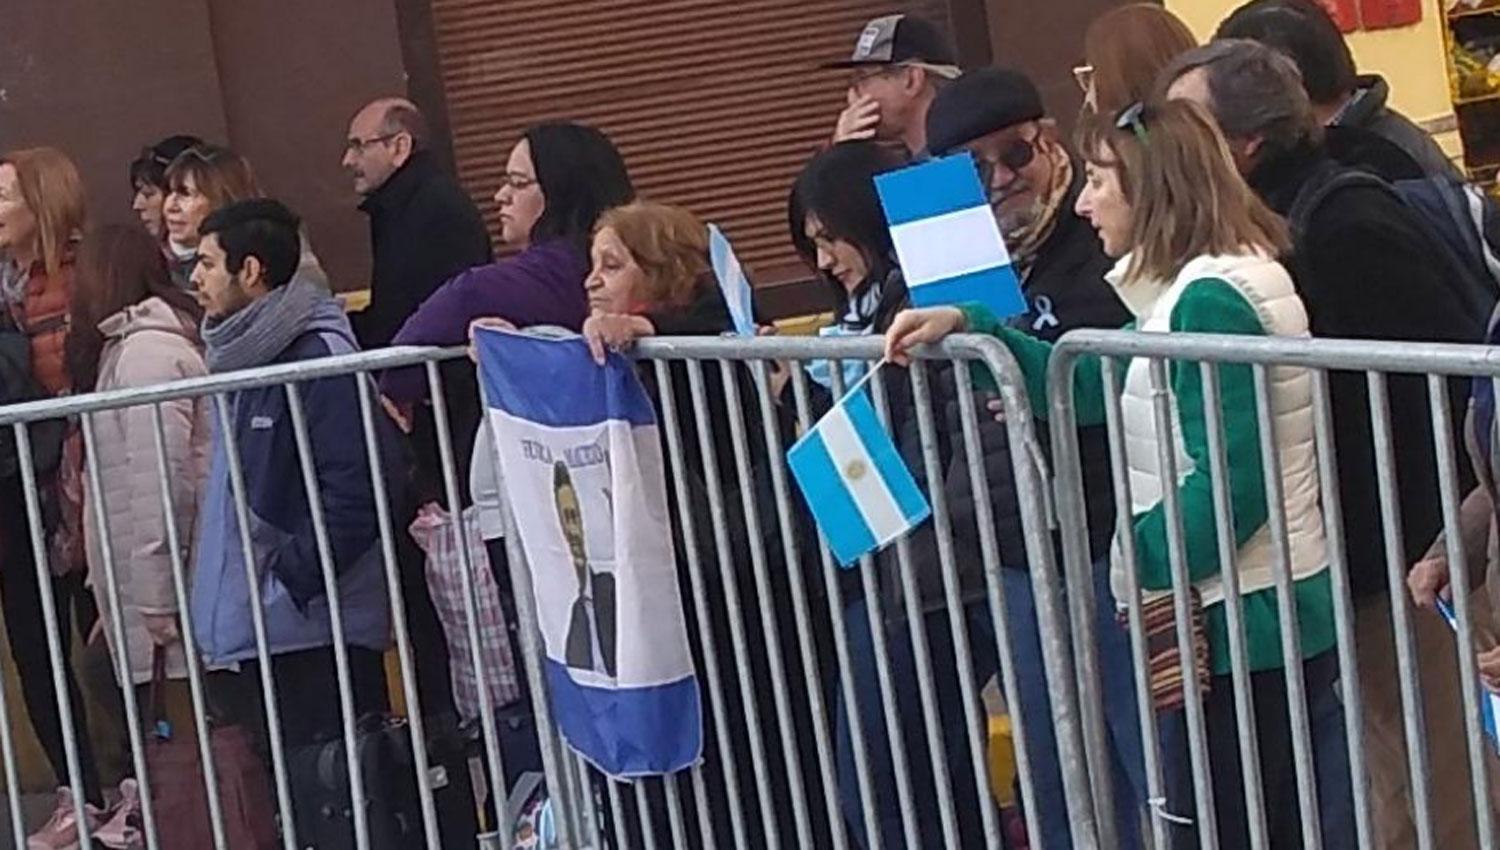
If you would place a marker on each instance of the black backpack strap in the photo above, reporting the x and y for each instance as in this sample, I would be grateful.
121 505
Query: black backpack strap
1317 190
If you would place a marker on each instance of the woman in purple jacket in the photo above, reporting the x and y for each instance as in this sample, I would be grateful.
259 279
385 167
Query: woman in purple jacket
560 177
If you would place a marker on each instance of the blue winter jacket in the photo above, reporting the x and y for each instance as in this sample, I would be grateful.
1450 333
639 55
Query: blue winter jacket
287 565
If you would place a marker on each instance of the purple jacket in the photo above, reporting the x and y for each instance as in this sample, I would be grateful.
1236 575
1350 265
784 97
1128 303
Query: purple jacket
542 285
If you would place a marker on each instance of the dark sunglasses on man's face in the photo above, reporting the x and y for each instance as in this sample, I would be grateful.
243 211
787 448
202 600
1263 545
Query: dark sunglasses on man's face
1015 155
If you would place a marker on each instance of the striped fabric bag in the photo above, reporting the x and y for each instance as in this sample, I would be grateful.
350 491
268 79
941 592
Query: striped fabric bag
1163 657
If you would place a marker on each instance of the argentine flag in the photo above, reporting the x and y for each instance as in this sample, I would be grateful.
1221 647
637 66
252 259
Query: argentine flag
583 474
946 236
732 281
858 487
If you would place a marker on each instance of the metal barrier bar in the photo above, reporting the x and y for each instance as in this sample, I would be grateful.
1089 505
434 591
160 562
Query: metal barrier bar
1406 648
922 654
121 649
66 717
791 552
995 597
957 611
416 724
1124 533
1197 729
1458 565
335 616
1291 644
466 573
727 569
858 746
1239 657
1343 605
701 606
258 623
771 635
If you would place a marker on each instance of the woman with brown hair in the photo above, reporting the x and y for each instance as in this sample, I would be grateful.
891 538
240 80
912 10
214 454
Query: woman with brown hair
1123 51
200 180
1197 253
42 213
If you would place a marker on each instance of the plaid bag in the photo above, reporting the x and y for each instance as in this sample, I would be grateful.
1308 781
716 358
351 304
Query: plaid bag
434 532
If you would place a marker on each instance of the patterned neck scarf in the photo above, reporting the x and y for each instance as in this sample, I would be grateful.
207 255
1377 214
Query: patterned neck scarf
1026 241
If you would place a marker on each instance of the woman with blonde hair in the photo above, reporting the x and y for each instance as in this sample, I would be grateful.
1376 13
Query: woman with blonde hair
42 216
1197 254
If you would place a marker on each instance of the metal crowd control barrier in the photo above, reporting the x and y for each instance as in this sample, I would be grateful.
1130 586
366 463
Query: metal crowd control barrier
1269 358
763 638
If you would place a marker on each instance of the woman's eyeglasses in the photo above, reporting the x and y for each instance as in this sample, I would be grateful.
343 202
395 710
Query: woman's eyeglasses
517 182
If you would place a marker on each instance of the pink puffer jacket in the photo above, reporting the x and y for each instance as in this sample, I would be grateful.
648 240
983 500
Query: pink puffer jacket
149 343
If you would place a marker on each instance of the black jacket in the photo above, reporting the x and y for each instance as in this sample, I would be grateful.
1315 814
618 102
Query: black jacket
424 229
1066 289
1367 269
1369 111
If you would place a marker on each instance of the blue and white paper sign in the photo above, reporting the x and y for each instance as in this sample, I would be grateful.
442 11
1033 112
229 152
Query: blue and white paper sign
1489 703
732 281
859 489
583 474
946 236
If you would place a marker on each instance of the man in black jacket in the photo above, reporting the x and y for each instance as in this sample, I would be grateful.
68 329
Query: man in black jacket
1033 183
424 228
1366 268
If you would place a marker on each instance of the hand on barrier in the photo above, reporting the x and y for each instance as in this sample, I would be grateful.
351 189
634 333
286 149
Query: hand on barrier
491 322
1489 669
919 327
162 628
858 120
997 407
1428 580
614 332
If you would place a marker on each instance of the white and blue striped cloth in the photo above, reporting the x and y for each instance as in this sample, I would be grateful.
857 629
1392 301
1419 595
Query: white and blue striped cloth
946 236
858 487
732 281
1489 702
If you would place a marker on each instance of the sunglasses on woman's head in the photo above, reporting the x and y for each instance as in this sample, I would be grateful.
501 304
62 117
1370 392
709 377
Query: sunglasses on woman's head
1133 118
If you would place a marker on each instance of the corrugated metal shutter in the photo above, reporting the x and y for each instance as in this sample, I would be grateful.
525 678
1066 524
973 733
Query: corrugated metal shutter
714 104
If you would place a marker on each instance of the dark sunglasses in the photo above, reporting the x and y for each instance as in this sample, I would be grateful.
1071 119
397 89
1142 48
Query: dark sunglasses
1016 155
1133 118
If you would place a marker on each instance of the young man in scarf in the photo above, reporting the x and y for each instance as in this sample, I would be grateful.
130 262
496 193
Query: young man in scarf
259 311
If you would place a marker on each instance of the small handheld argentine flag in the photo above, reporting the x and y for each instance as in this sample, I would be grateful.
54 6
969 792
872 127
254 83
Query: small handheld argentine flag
732 281
858 487
946 236
1489 703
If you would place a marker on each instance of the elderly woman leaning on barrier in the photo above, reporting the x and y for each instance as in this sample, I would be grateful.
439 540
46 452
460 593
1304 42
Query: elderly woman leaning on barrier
1196 255
651 277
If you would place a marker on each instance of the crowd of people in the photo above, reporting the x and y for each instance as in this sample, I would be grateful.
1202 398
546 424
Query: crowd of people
1247 186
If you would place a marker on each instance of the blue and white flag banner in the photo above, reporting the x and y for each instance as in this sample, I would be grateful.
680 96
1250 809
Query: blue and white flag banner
946 236
860 491
732 281
1489 702
580 453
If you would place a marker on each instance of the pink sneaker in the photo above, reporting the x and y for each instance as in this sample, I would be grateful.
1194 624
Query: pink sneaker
60 832
123 830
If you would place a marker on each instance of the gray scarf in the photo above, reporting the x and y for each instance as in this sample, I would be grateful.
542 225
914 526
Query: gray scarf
259 333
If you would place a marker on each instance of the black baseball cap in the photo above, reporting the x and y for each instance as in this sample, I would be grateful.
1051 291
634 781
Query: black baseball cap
979 103
900 40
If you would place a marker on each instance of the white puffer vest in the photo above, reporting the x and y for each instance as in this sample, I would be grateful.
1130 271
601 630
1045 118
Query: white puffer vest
1265 284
